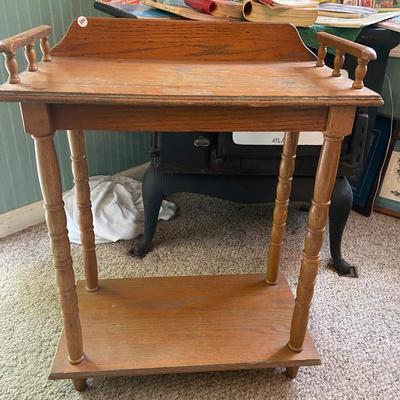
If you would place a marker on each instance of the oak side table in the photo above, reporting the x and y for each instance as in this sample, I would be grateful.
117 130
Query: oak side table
149 75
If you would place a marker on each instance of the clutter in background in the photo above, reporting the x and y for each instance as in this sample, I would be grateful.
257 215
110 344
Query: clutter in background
302 13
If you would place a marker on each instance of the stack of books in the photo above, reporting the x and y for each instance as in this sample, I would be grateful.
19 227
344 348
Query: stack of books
296 12
350 16
336 10
393 24
302 13
202 10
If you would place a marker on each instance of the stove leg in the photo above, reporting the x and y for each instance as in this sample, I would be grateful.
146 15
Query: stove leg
342 201
152 198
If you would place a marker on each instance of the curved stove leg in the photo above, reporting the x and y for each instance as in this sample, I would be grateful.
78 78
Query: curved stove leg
152 198
342 201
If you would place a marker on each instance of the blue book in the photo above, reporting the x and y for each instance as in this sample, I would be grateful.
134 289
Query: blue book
132 11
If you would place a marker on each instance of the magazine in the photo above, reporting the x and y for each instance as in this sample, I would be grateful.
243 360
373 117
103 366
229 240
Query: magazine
393 24
132 9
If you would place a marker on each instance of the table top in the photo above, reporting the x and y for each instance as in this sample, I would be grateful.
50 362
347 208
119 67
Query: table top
93 80
105 63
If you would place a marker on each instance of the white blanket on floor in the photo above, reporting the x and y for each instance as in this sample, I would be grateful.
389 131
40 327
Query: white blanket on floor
117 207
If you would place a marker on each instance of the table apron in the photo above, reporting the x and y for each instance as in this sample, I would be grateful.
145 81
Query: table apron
187 118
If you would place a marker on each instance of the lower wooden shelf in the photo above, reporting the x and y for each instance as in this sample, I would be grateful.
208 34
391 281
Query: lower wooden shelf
184 324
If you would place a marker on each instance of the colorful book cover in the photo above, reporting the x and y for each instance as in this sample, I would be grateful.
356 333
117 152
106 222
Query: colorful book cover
393 24
136 9
387 4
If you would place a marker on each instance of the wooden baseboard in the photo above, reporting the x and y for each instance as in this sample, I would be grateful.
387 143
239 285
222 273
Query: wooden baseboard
386 211
21 218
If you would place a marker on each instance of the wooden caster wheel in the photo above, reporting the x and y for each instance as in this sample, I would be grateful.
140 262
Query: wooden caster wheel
291 372
79 384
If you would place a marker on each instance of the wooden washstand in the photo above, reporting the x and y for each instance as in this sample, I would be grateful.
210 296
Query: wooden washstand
149 75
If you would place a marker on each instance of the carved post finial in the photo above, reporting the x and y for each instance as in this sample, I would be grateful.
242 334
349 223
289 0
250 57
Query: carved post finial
12 67
338 63
45 47
30 56
322 50
361 71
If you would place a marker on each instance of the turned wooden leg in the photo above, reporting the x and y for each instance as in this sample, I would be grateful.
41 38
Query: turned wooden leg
291 372
324 182
361 71
12 67
281 206
79 384
82 192
30 56
45 47
50 182
338 63
322 50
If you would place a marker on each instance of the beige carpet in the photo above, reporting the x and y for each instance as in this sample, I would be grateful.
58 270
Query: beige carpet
355 322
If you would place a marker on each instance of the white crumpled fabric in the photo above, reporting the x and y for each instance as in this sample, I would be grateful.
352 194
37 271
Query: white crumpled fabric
117 207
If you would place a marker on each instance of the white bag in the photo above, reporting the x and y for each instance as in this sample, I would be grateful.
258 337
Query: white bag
117 207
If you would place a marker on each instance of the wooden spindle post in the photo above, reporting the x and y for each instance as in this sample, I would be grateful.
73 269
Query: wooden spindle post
26 39
30 56
338 63
50 183
318 215
361 71
45 47
76 141
12 67
283 190
363 54
322 50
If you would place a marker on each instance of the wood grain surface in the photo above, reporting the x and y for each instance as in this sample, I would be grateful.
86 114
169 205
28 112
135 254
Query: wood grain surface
183 119
22 39
185 76
50 183
363 54
10 46
184 63
283 190
346 46
317 218
184 324
137 39
76 140
96 81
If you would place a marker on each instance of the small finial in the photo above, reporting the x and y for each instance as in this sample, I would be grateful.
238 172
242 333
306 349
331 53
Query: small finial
12 67
30 56
322 50
45 47
361 71
338 63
